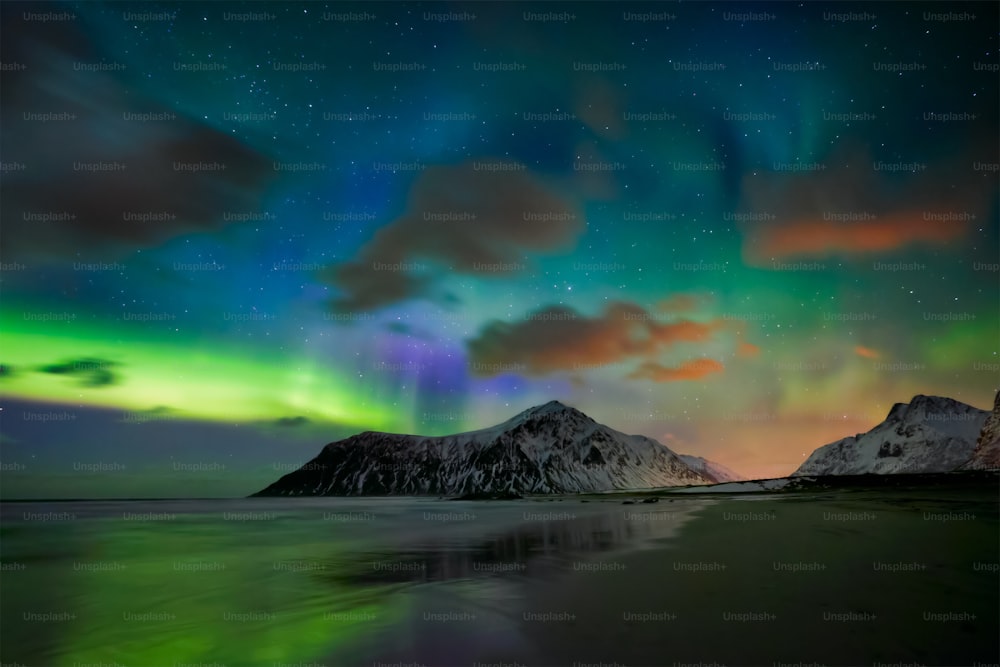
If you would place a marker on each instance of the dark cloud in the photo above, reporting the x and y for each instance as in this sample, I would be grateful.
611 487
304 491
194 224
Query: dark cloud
91 371
600 107
66 161
479 218
292 422
558 338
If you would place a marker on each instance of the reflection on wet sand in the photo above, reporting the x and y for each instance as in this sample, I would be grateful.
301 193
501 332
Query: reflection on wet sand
468 604
543 542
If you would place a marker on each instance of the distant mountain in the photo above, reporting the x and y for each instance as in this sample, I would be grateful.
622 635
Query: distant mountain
986 455
928 434
716 472
549 448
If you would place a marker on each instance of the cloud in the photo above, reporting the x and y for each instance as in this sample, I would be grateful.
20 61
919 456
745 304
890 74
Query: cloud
595 172
91 371
682 303
97 168
866 352
559 339
598 105
747 350
292 422
850 208
692 369
476 218
820 238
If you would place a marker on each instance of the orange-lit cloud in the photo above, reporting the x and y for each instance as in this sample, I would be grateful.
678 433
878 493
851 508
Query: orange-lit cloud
747 350
692 369
849 207
681 303
558 338
815 237
866 352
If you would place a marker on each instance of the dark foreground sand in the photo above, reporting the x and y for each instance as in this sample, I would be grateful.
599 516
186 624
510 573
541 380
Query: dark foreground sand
849 577
868 590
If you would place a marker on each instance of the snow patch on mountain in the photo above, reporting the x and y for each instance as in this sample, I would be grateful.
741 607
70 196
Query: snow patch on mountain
710 469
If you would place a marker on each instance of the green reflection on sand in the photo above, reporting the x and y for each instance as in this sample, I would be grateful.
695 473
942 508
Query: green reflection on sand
195 590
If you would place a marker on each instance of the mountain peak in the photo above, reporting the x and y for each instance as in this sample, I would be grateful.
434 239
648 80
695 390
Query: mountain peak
921 405
924 399
551 406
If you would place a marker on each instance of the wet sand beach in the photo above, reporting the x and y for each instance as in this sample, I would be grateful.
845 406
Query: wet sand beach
877 575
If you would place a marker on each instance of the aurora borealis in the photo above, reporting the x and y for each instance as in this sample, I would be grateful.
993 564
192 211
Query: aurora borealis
233 232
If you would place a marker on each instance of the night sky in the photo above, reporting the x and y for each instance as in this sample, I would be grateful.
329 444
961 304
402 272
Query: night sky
233 232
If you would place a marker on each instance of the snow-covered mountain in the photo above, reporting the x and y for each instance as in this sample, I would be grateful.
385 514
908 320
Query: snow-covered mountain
710 469
986 455
549 448
928 434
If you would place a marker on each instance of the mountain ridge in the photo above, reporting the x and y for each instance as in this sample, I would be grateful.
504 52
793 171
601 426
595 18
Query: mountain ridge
928 434
548 448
